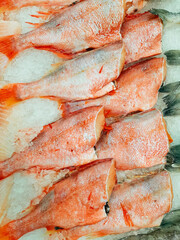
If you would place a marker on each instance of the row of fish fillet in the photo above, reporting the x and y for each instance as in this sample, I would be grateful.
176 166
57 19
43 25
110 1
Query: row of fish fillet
65 138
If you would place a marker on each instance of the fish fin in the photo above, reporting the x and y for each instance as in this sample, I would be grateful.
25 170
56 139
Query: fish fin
5 189
9 28
8 95
46 15
172 99
169 87
4 113
4 60
173 110
173 157
7 100
173 57
170 219
34 25
166 16
6 5
7 46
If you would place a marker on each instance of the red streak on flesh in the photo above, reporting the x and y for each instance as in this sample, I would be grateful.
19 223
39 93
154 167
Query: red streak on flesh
127 218
112 92
107 128
100 71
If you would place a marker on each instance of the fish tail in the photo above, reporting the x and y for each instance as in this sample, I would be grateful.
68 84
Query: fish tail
8 46
7 30
172 102
6 5
172 99
166 16
173 157
169 87
173 57
171 218
172 111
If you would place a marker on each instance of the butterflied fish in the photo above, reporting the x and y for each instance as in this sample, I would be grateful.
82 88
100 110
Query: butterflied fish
136 90
88 76
67 142
133 206
137 141
80 199
79 27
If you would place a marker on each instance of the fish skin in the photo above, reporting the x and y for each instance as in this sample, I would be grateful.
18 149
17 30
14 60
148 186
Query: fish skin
16 4
142 35
136 90
80 78
79 27
67 142
131 5
137 29
133 206
137 141
70 203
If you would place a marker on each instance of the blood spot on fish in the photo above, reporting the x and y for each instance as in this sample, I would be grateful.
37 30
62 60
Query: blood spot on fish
50 125
100 71
107 128
89 197
107 112
112 92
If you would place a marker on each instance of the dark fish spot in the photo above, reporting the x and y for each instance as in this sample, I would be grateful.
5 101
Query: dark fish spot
107 208
89 49
73 3
57 228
